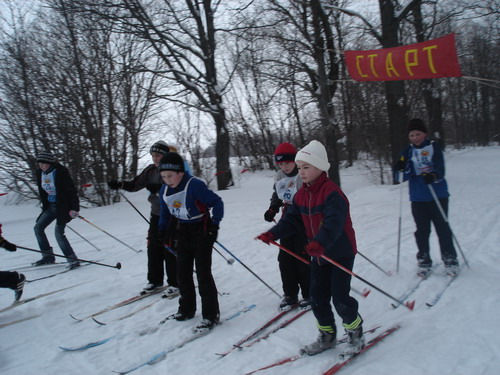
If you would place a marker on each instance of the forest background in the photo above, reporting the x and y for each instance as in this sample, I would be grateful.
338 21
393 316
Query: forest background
98 81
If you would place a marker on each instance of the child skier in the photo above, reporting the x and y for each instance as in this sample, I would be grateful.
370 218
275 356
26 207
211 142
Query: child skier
422 163
321 208
294 273
60 202
189 200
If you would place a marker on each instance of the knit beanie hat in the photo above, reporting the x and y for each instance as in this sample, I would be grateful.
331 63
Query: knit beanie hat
284 152
160 147
45 157
172 161
417 124
315 154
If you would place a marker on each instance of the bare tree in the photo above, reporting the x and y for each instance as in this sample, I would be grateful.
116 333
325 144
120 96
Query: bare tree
68 86
183 34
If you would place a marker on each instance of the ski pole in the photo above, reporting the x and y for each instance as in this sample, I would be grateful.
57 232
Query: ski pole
448 223
243 264
118 265
290 252
399 219
134 207
79 235
229 261
388 273
409 305
363 293
102 230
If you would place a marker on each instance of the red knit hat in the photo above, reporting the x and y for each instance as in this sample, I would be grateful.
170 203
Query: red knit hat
284 152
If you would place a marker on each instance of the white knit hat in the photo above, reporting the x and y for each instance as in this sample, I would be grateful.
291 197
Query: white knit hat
315 154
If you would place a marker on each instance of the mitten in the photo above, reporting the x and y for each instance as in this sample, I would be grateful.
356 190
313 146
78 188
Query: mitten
73 214
153 188
315 249
162 236
429 178
401 164
213 231
115 185
266 237
7 245
270 214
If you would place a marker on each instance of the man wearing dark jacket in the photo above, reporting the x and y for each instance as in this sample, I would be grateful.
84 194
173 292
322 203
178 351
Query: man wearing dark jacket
60 202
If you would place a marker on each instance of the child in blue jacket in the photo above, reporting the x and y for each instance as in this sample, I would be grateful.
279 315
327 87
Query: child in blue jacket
422 164
189 200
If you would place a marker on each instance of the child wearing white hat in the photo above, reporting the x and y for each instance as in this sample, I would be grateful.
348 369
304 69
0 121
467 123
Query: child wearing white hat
322 209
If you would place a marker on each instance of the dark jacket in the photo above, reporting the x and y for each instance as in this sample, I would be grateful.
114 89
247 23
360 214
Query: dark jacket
150 179
66 193
322 210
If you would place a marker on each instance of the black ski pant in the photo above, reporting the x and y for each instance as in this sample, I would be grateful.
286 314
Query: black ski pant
195 248
331 284
425 213
9 279
295 274
159 257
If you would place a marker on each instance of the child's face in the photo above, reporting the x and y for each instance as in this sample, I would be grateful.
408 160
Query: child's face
417 137
44 166
287 166
307 172
172 179
156 156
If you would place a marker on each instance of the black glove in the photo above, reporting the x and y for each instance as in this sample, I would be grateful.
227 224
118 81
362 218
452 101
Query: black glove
213 231
7 245
163 236
153 188
429 178
270 214
400 165
115 185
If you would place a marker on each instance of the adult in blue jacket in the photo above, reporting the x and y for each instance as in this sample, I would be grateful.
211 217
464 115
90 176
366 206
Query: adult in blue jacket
422 164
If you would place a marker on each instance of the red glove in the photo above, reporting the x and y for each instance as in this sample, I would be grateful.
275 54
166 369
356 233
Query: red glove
266 237
315 249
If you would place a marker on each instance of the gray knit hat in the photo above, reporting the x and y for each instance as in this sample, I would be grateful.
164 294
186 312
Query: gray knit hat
46 157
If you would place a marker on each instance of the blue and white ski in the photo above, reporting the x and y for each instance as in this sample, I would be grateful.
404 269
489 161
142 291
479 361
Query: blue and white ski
163 354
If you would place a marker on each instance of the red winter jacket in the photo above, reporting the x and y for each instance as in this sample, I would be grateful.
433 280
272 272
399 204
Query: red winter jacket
322 210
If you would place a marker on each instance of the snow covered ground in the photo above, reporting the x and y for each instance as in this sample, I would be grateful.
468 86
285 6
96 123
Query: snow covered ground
460 335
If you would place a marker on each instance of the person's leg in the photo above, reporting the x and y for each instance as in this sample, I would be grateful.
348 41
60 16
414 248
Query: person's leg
321 296
347 306
156 254
63 242
42 222
289 276
185 261
8 279
421 215
206 282
443 231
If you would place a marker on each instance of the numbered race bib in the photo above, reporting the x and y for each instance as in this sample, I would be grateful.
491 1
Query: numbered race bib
286 189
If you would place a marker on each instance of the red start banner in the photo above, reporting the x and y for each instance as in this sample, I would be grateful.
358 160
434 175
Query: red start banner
435 58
